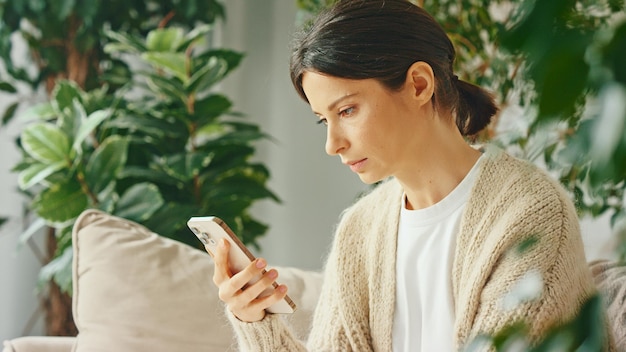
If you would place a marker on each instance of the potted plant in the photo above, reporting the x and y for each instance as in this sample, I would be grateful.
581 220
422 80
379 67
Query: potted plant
153 143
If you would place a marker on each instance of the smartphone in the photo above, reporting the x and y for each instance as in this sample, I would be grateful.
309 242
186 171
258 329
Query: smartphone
210 230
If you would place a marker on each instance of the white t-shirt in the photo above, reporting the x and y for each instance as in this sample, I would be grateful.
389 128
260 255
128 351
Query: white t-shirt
424 311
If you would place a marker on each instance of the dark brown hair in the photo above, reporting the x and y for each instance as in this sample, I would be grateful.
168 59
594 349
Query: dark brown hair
381 39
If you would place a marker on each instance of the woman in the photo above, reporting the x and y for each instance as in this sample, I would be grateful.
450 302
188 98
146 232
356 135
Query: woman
426 260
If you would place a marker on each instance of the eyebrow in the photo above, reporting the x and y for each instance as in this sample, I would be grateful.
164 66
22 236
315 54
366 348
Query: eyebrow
336 102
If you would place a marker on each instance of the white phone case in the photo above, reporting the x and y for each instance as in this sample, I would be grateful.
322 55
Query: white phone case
210 230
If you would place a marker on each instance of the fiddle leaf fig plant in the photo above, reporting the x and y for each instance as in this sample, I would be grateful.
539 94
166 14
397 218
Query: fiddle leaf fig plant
164 147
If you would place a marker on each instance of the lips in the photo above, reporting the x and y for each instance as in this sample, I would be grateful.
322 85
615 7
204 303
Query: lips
357 165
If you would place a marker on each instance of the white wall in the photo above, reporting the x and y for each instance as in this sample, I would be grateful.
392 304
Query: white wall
18 268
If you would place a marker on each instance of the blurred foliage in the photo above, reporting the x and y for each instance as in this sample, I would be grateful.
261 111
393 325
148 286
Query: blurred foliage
576 53
156 151
133 125
557 71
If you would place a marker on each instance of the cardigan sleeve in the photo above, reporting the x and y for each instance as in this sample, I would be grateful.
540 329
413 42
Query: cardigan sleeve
327 331
538 211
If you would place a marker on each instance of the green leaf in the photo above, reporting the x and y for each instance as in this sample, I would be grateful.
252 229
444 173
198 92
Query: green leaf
43 111
123 42
63 95
208 74
62 8
90 124
60 270
46 143
62 202
32 229
194 35
155 127
36 173
174 63
9 113
185 166
231 57
207 109
71 118
167 86
106 163
164 39
7 87
139 202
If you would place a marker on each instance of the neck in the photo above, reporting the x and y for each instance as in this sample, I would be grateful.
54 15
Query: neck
436 172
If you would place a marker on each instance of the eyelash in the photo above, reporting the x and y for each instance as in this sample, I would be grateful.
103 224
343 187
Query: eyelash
343 113
346 111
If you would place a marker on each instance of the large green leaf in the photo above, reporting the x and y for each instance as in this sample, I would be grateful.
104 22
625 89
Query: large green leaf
207 109
149 125
63 95
123 42
46 143
42 111
139 202
231 57
88 125
174 63
106 163
71 118
60 270
164 39
36 173
185 166
194 35
207 75
62 202
170 88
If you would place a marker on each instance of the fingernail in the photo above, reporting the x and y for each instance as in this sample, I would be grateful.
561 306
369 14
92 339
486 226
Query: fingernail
282 289
273 274
260 263
222 243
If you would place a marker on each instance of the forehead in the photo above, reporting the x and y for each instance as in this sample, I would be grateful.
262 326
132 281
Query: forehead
321 89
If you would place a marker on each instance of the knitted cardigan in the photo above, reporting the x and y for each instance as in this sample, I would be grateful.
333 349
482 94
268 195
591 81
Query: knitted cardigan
511 202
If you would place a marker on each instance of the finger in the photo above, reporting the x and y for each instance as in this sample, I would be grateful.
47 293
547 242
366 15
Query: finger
252 272
279 293
222 268
253 291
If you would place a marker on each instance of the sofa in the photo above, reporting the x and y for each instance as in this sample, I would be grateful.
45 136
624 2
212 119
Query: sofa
134 290
137 291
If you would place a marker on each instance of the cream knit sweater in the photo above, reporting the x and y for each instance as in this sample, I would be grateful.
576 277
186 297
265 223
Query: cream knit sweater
511 202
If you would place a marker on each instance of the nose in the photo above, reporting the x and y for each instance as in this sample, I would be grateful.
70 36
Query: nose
335 141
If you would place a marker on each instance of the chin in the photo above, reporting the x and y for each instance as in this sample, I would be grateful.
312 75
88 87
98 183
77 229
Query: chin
370 179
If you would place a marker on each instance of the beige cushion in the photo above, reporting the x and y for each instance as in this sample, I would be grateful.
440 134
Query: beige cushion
137 291
39 344
610 278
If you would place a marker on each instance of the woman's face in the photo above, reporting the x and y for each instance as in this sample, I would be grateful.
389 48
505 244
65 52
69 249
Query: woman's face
376 132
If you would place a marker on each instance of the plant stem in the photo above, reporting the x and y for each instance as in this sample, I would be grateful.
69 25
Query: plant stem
83 185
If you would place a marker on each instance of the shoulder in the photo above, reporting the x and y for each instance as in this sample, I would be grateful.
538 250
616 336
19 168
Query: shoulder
378 202
518 182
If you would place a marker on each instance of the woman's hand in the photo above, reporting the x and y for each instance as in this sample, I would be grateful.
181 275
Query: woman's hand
242 300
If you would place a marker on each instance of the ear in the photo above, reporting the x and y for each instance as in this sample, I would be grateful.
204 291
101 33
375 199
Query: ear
420 80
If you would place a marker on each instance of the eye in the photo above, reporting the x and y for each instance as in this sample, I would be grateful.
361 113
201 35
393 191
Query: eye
346 112
322 121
